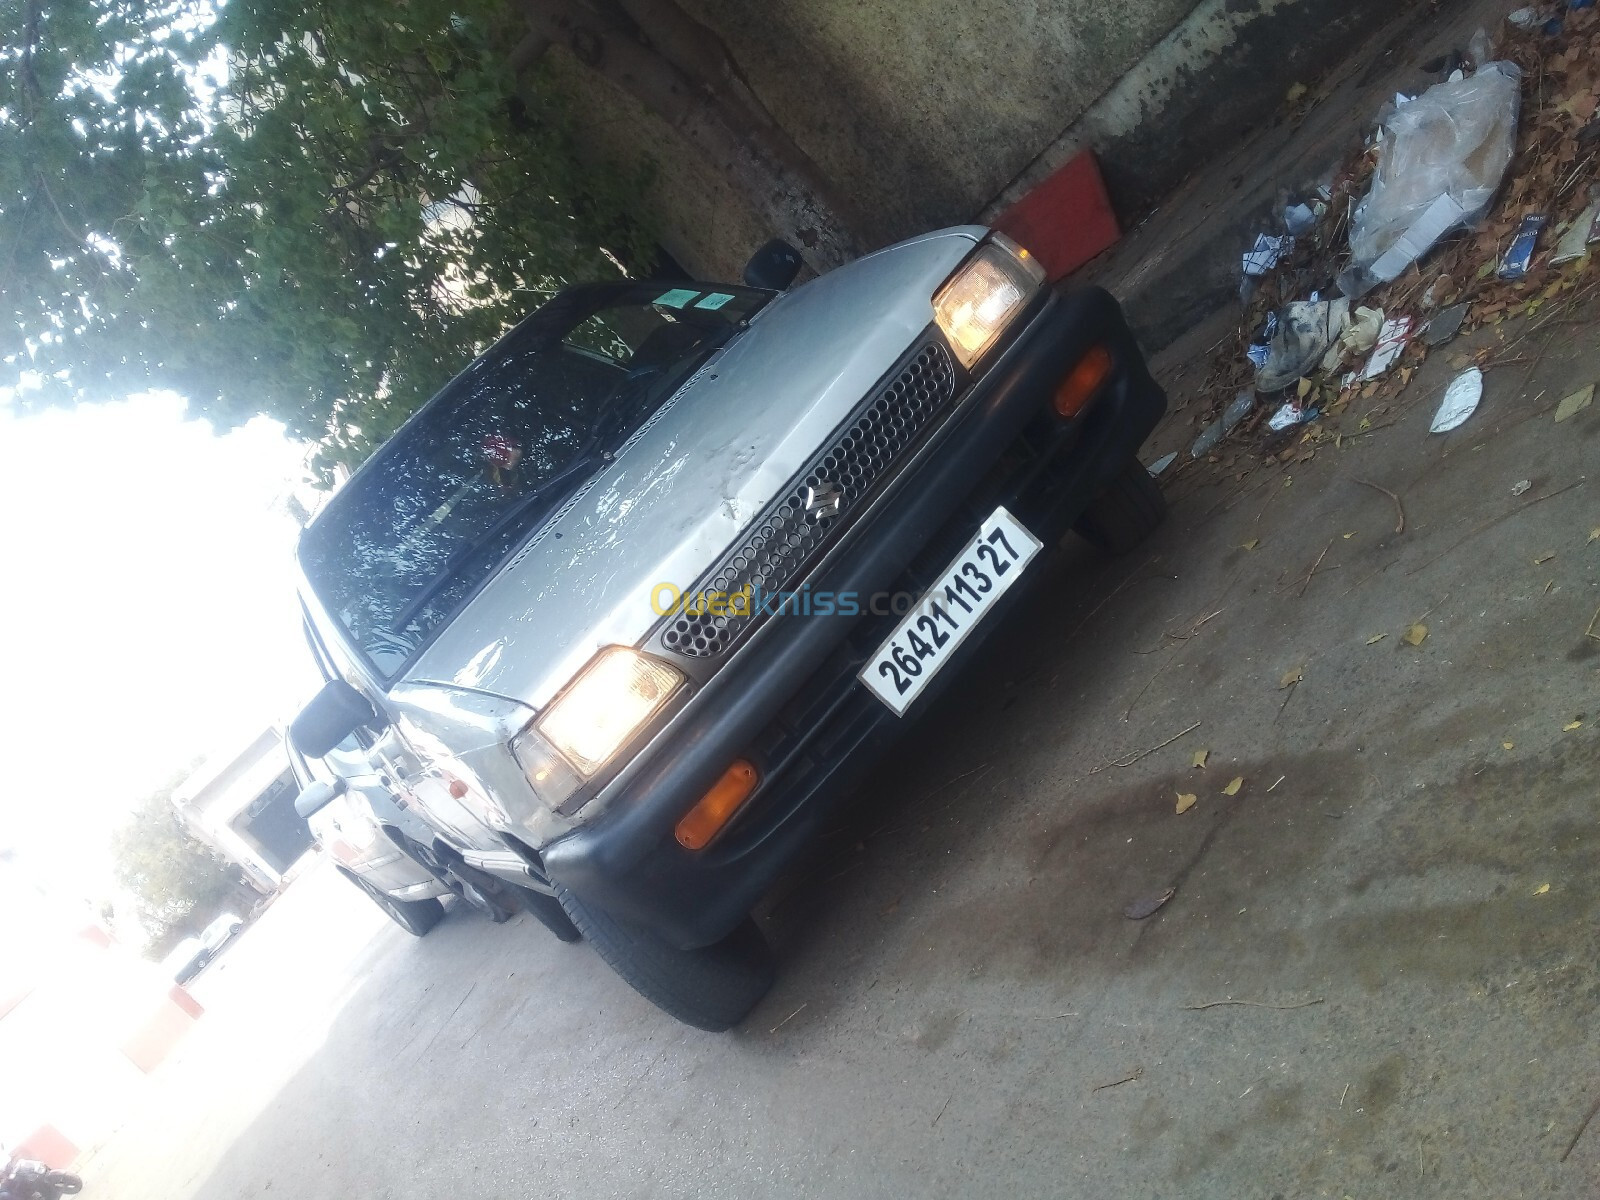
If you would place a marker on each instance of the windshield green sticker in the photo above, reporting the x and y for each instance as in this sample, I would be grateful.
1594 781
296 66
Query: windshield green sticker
714 300
677 297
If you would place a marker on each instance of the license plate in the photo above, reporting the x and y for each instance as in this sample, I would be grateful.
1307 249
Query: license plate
939 622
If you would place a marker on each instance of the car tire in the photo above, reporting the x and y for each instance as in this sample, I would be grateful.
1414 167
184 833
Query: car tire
712 988
416 917
548 912
1126 513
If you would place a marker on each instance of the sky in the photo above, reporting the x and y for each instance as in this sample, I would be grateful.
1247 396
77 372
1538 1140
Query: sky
147 613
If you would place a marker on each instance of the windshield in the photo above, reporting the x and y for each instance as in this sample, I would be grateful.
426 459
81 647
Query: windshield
489 458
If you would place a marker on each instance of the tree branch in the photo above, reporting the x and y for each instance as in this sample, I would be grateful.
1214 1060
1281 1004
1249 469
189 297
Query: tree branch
61 216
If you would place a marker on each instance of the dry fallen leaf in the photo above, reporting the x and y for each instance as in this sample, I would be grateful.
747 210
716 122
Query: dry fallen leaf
1508 745
1145 905
1292 676
1594 536
1541 889
1574 404
1544 558
1303 388
1234 785
1376 638
1200 757
1251 544
1415 634
1186 801
1348 536
1571 725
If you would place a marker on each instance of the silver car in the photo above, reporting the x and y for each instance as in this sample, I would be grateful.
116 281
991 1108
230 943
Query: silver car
359 825
628 606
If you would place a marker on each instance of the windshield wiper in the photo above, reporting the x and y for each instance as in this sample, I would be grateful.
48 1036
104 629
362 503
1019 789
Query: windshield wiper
585 460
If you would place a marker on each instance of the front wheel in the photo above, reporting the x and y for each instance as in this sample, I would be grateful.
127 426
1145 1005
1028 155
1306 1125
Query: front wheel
548 912
712 988
65 1182
1127 512
416 917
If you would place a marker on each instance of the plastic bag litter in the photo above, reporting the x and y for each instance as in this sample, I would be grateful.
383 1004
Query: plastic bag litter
1264 255
1392 339
1361 331
1574 243
1291 414
1238 409
1460 401
1299 219
1439 166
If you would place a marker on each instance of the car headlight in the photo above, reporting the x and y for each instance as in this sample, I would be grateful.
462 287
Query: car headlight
977 303
610 701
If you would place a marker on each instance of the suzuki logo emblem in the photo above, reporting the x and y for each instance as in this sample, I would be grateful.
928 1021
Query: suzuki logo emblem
823 501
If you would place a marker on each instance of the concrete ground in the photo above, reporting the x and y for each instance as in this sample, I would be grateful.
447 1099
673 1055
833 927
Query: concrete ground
963 1008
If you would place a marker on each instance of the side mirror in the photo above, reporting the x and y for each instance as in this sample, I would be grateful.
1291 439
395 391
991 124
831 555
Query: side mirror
334 713
316 797
773 267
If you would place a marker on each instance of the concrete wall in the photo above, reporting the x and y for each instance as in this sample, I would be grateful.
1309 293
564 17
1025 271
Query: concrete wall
930 107
933 112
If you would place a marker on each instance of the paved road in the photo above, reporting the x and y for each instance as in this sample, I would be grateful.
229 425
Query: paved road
961 994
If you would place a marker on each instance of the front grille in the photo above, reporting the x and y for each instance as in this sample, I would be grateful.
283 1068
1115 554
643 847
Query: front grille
785 538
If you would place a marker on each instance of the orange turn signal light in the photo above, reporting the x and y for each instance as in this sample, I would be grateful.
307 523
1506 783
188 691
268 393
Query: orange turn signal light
1083 381
716 808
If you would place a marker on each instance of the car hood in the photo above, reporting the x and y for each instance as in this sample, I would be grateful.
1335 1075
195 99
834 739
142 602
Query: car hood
691 481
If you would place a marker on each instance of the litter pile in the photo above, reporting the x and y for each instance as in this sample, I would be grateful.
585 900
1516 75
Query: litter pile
1470 204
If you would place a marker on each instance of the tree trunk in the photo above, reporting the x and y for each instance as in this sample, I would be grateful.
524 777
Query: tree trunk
716 113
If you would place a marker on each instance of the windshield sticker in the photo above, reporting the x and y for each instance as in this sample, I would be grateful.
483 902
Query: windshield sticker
677 297
713 300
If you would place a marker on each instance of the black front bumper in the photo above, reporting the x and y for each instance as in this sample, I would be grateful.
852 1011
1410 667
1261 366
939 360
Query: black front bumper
788 700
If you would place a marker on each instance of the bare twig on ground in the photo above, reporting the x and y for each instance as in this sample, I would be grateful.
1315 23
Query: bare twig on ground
1432 608
1268 504
467 995
1280 779
1493 521
1194 628
789 1018
1306 582
1100 1087
1593 621
1251 1004
1127 760
1293 687
1399 512
942 1107
1139 695
1132 575
1368 576
1582 1125
957 779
